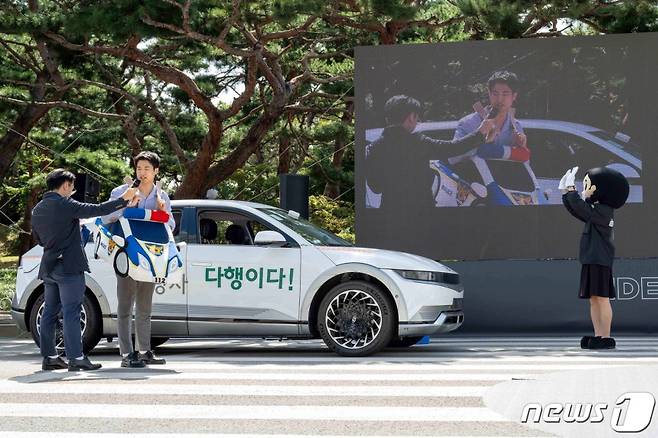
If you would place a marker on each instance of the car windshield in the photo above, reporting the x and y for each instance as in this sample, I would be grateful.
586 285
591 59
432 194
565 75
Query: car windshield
149 231
625 145
310 232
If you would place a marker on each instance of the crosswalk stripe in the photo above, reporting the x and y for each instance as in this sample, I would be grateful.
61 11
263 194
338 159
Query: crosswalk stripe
291 357
451 368
17 434
7 387
383 377
251 412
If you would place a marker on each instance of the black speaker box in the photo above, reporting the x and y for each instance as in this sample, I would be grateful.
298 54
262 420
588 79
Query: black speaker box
294 193
87 188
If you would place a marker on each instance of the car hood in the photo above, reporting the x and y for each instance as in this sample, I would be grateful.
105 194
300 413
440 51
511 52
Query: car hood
381 258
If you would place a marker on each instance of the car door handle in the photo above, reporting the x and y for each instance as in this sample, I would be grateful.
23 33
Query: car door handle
202 264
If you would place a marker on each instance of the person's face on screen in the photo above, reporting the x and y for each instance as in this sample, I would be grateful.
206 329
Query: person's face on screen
501 97
410 122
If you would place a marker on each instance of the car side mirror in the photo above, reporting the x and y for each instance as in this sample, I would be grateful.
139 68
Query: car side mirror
120 241
270 238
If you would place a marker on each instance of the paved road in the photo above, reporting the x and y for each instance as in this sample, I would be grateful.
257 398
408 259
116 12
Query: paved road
293 388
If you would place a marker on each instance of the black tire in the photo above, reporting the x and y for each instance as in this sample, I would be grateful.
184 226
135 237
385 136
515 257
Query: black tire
369 320
90 322
121 263
404 342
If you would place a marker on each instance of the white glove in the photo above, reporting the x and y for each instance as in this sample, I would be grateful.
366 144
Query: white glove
569 179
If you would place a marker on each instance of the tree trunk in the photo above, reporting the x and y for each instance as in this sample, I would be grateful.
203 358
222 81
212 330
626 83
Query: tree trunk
284 155
26 241
332 188
195 181
251 141
12 141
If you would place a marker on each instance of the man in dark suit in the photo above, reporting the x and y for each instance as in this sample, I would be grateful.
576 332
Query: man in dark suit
56 227
398 162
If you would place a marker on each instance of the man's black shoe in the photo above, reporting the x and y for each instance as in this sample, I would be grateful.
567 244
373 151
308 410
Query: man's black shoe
83 365
132 361
56 363
150 359
584 342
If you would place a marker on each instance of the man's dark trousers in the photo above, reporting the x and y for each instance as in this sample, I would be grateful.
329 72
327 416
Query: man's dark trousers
62 292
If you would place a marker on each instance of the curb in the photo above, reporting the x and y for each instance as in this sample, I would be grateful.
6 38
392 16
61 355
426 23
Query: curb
8 327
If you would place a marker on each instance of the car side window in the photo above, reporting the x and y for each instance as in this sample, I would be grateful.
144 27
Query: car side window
224 228
553 150
178 217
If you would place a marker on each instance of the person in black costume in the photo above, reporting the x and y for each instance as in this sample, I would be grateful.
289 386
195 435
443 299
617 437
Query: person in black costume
397 163
604 190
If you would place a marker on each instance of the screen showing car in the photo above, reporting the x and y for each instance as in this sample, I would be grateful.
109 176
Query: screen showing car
494 125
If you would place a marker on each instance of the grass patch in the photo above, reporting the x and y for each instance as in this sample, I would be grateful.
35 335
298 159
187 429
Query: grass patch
8 262
7 286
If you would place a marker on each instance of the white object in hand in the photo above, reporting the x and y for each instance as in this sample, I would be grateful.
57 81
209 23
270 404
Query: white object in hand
569 179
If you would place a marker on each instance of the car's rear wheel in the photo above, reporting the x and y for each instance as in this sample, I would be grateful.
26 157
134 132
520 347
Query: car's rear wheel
356 318
404 342
90 325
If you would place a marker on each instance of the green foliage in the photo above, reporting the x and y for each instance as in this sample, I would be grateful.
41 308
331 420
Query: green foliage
395 9
332 215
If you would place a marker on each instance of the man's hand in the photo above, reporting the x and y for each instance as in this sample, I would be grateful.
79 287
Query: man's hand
488 129
130 193
133 202
520 140
161 205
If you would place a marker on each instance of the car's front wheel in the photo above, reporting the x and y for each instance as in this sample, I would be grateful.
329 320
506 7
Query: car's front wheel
90 325
356 318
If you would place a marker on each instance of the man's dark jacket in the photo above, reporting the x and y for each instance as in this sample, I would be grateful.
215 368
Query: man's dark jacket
56 227
397 165
596 247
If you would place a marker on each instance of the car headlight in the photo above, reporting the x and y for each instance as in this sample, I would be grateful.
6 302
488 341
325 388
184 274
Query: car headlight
429 276
173 265
144 262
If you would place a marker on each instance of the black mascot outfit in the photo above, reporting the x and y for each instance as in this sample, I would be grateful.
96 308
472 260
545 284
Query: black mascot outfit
604 190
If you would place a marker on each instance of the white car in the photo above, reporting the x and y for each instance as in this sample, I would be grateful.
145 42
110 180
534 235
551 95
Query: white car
253 270
555 146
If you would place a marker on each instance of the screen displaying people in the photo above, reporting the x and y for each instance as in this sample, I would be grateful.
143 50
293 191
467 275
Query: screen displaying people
537 108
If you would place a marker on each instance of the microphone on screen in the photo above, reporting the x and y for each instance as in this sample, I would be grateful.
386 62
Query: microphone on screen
128 180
